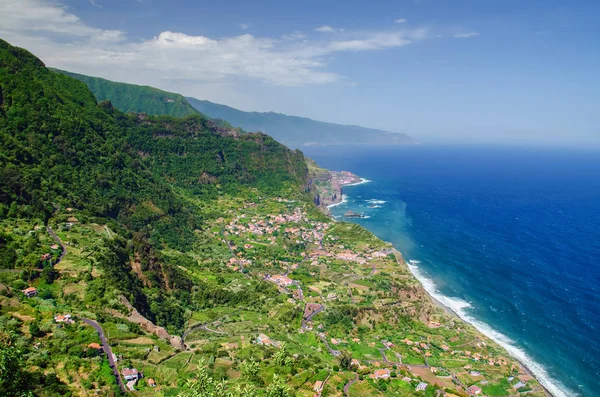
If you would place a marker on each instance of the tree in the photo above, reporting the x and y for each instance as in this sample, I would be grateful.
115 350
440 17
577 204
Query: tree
13 379
278 388
282 357
250 369
345 361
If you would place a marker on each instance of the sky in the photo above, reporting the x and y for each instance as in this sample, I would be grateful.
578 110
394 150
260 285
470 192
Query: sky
512 71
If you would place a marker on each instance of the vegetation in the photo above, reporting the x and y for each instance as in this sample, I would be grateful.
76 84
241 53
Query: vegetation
198 250
130 98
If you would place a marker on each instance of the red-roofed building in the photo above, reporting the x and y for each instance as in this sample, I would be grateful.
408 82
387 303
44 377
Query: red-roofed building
29 292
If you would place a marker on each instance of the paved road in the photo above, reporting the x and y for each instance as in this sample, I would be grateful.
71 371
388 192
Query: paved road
55 237
107 350
335 353
350 383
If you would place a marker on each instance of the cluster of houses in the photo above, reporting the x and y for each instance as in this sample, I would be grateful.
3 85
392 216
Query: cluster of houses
280 280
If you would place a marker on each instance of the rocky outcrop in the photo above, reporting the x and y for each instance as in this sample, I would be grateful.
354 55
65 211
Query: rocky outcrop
147 325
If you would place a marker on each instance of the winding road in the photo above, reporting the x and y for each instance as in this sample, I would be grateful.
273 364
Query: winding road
108 351
55 237
349 384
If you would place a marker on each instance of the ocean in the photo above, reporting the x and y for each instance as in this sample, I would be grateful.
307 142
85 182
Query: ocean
507 237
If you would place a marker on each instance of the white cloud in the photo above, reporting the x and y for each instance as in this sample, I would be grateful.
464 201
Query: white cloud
328 29
400 20
177 61
95 4
244 26
465 35
36 17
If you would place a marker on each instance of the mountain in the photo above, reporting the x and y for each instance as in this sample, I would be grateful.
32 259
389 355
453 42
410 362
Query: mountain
299 131
194 253
130 98
292 131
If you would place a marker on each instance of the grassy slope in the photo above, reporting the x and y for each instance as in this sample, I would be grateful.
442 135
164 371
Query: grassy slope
136 98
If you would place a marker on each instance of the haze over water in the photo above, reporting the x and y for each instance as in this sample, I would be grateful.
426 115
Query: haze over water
507 237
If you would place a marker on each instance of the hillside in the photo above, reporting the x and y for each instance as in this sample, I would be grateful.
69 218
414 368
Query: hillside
130 98
297 132
178 257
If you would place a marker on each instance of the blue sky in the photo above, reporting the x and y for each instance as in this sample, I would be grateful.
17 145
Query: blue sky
442 71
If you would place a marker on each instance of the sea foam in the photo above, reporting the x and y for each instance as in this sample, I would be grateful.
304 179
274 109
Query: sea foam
461 308
344 201
362 180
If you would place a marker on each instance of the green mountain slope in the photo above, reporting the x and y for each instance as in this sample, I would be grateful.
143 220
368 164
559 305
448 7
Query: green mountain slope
194 253
130 98
299 131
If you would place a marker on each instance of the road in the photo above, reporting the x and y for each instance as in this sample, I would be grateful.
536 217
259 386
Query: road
55 237
107 351
350 383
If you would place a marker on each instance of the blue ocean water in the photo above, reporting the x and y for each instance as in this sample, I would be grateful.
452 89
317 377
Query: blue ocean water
508 237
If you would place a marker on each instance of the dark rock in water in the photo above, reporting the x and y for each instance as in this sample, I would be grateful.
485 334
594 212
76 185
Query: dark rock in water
351 214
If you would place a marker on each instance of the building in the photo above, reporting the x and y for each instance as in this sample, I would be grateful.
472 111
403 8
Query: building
355 363
29 292
475 390
519 385
130 374
94 346
151 382
380 374
421 386
318 387
63 318
282 281
263 339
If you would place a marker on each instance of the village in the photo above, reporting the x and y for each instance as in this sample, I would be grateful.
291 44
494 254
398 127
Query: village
352 307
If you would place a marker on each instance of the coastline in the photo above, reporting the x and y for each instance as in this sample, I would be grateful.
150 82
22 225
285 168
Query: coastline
456 307
531 367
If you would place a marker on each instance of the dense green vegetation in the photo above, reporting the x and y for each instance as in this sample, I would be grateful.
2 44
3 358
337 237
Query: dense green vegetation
290 130
169 233
136 98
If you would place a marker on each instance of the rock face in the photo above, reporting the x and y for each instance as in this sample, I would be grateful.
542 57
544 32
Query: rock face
161 332
328 186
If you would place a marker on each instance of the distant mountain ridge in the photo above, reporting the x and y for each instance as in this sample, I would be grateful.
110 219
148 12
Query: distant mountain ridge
131 98
296 131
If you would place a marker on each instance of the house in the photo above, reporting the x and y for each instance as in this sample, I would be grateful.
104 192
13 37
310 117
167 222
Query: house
66 318
475 390
151 382
355 363
55 247
29 292
94 346
318 387
282 281
380 374
263 339
445 348
46 257
130 374
421 386
519 385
